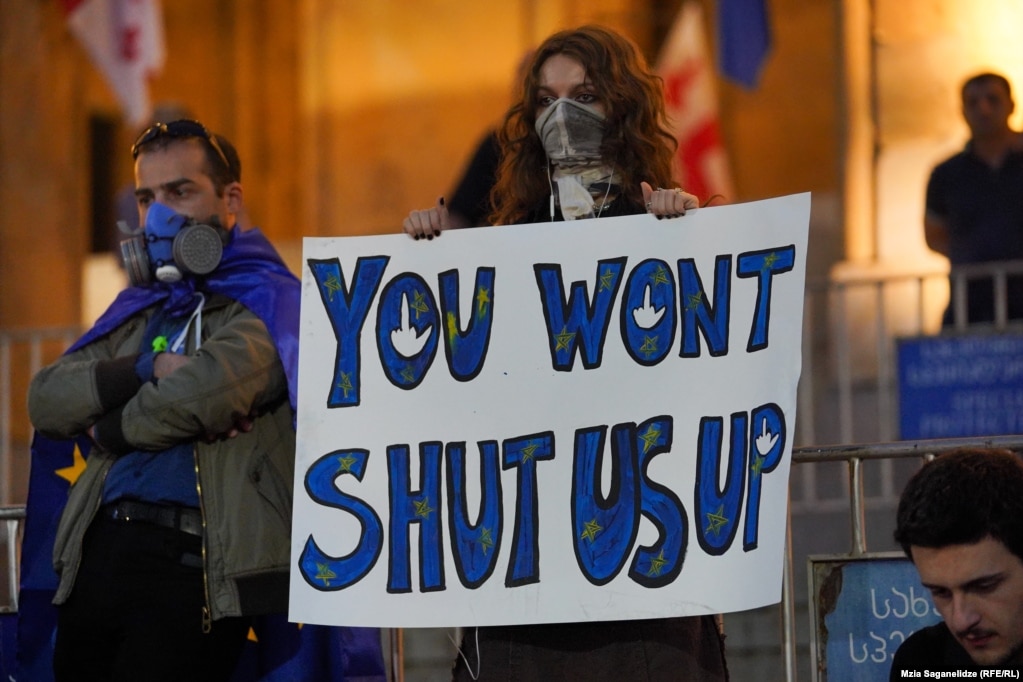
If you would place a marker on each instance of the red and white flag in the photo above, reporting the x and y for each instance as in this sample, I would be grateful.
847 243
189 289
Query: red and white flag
691 101
124 38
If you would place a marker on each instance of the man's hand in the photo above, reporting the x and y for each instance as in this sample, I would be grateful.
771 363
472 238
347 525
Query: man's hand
166 363
242 424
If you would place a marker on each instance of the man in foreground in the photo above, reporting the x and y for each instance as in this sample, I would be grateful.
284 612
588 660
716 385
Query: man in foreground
177 531
960 520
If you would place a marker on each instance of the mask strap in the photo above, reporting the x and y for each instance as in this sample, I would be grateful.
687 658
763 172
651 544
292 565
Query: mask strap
551 185
197 316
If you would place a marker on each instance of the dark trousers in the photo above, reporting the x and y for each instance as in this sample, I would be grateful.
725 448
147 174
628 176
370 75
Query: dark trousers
658 650
136 611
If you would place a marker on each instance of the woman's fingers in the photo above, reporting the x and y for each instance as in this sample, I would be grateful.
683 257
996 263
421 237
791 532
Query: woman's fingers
428 222
668 203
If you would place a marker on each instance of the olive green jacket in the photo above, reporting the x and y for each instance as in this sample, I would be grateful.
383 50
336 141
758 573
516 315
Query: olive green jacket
244 483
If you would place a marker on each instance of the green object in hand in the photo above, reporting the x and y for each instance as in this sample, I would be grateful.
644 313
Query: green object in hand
160 344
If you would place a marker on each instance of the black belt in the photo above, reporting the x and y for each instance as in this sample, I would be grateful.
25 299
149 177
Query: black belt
185 519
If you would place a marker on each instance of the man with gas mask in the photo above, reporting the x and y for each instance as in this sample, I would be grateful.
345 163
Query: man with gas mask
177 532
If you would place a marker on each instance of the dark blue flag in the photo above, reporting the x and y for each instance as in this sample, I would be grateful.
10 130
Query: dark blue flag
744 38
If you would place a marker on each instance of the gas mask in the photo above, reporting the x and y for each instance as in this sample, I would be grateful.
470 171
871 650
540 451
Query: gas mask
170 246
571 133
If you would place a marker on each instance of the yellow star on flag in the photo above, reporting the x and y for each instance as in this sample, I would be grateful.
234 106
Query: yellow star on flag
71 473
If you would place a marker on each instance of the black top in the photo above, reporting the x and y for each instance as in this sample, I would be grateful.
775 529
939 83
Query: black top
471 197
934 648
983 211
982 207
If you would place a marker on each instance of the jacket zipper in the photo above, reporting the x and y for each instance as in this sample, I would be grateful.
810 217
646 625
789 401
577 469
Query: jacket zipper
207 615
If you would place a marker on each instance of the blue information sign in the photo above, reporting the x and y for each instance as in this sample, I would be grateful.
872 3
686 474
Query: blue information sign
863 609
960 386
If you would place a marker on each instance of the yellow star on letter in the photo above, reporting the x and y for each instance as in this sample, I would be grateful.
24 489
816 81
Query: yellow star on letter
423 508
563 338
529 451
591 530
757 466
657 565
482 299
71 473
333 284
325 574
770 260
606 280
419 304
486 541
649 346
716 520
346 383
693 301
660 276
650 438
408 374
345 464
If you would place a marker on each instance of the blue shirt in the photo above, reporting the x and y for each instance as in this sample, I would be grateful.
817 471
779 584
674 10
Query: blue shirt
167 476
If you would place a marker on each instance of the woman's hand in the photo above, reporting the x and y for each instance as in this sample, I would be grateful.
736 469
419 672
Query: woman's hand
668 203
429 222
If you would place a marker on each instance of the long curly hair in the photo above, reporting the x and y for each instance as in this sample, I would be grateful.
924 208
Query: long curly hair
637 142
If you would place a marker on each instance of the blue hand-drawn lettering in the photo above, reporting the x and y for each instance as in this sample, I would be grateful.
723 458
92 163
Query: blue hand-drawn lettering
475 546
467 349
320 570
648 315
764 265
699 314
604 528
420 506
660 563
767 436
717 508
523 453
408 326
578 320
347 310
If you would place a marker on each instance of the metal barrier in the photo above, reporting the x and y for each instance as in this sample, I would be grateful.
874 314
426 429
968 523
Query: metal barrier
14 521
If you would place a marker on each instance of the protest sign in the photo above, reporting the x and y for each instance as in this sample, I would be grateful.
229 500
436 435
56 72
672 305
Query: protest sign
591 420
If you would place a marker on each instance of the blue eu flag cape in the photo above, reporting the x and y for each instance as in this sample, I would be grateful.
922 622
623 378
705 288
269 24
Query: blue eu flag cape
252 273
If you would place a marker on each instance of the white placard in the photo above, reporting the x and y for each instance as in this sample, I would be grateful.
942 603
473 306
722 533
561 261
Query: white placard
588 420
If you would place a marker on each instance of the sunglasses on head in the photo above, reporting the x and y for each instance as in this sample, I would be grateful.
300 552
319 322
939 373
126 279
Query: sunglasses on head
182 128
